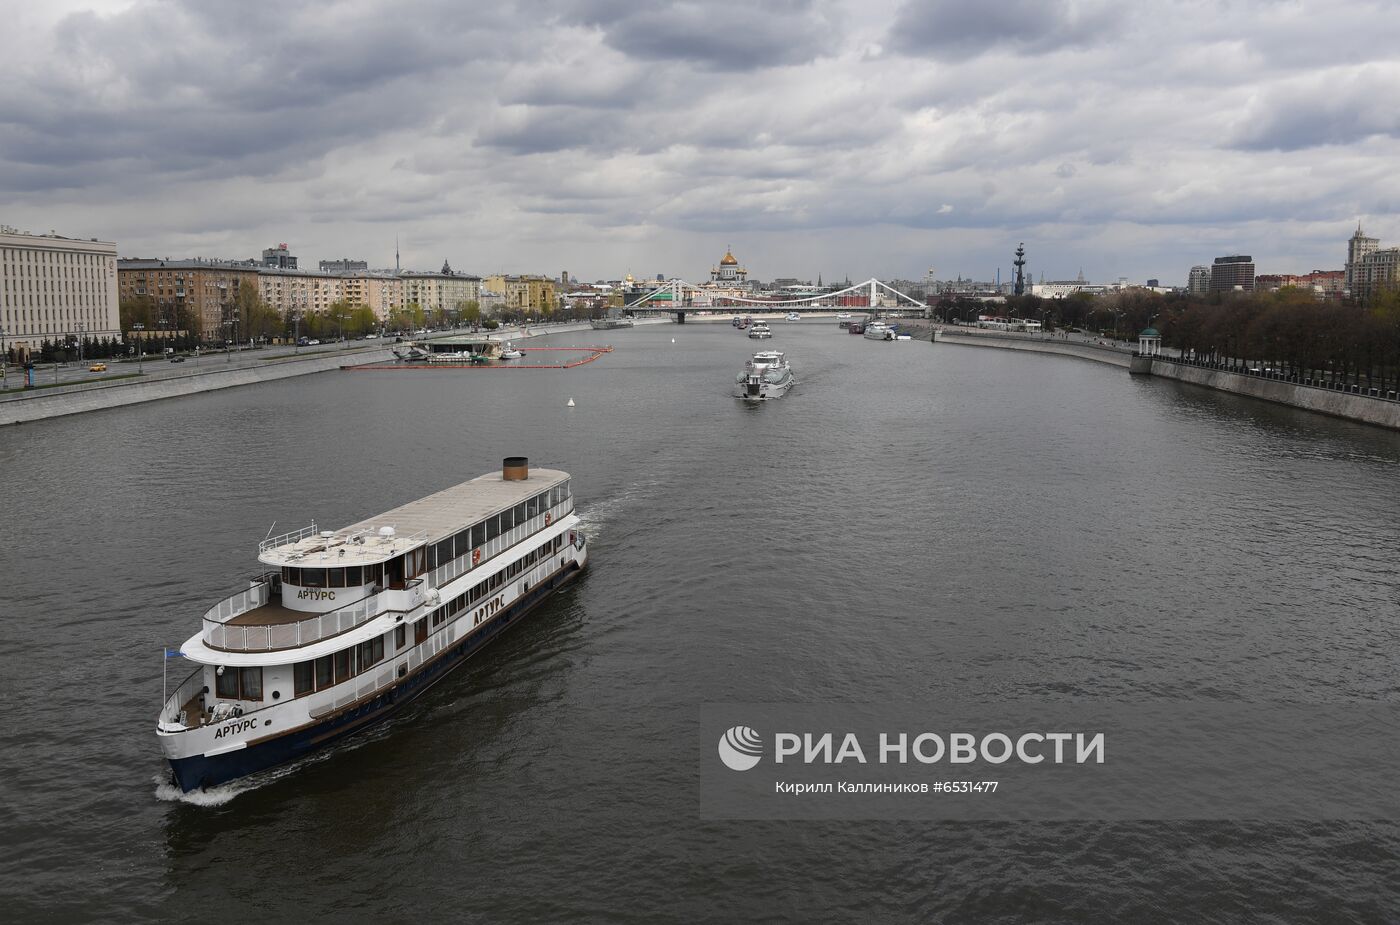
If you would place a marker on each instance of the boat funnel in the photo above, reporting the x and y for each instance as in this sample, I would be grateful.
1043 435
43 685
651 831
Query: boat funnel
515 469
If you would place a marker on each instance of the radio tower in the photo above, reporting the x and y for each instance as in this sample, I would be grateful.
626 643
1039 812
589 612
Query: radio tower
1020 263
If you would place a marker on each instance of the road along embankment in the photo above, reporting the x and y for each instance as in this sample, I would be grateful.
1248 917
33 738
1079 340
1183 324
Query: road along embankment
95 396
1099 353
131 392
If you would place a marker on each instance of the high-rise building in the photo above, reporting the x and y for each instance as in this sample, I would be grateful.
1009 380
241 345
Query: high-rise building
1198 283
1357 249
1232 273
52 286
279 258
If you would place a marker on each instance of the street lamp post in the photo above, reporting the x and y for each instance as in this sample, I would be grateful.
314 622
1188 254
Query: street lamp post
228 332
4 359
138 326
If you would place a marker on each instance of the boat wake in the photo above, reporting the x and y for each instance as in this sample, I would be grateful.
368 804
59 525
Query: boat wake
167 792
596 516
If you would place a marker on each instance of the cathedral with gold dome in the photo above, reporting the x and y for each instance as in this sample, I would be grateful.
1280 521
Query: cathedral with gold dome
729 273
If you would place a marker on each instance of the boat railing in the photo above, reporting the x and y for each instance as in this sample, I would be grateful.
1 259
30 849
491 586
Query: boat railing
235 605
303 632
170 717
286 539
398 541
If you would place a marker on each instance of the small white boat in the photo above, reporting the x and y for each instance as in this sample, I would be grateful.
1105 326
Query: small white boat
511 352
759 330
878 330
793 316
766 376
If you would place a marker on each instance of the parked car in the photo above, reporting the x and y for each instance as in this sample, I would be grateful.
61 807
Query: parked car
177 359
97 368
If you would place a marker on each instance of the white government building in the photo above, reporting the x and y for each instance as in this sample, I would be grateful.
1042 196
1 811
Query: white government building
51 286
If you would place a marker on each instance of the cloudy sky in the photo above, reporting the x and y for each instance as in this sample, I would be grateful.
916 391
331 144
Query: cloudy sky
832 137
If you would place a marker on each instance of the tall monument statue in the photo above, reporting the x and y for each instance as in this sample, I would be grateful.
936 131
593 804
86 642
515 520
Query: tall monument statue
1020 263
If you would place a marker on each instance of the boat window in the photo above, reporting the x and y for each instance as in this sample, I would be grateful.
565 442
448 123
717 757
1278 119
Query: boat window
568 488
291 576
354 577
400 636
373 573
462 543
420 630
226 684
478 535
366 652
250 680
506 520
324 676
335 578
493 528
342 665
303 679
532 506
520 514
313 578
416 562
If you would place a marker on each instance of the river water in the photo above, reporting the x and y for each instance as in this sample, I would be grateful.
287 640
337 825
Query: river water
912 522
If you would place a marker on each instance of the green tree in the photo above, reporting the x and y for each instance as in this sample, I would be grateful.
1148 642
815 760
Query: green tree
139 309
253 318
470 311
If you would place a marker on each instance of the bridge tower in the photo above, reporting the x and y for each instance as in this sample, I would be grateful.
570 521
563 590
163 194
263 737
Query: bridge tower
1020 263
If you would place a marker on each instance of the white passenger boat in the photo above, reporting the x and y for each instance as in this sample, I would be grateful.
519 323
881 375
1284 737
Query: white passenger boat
878 330
768 375
348 625
511 352
793 316
759 330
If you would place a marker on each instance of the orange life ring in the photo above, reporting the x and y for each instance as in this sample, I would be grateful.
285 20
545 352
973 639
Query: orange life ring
476 557
548 517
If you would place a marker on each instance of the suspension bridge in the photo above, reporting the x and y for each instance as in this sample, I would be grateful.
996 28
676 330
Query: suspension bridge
679 296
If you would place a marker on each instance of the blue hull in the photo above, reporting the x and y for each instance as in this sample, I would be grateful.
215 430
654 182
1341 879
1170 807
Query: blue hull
199 771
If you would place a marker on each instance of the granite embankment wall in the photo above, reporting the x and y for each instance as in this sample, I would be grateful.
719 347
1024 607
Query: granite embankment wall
1365 408
95 396
1115 356
1353 407
116 394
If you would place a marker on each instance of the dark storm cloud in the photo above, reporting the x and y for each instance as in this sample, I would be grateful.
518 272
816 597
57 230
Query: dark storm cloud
540 129
194 89
719 36
958 29
1335 109
925 121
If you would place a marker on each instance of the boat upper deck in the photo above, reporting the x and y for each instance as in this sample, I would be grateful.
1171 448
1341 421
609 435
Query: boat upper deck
426 520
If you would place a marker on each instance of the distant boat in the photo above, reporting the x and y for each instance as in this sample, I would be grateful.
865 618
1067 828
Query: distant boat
510 352
793 316
611 322
765 377
878 330
760 330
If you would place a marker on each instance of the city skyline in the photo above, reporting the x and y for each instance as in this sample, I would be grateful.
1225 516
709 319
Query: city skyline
818 138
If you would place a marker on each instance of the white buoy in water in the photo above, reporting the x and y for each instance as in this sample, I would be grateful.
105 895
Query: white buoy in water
673 340
571 402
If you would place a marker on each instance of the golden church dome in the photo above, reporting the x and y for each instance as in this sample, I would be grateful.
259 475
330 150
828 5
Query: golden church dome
728 260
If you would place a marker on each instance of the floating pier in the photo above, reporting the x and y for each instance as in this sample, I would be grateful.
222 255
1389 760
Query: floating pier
592 353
